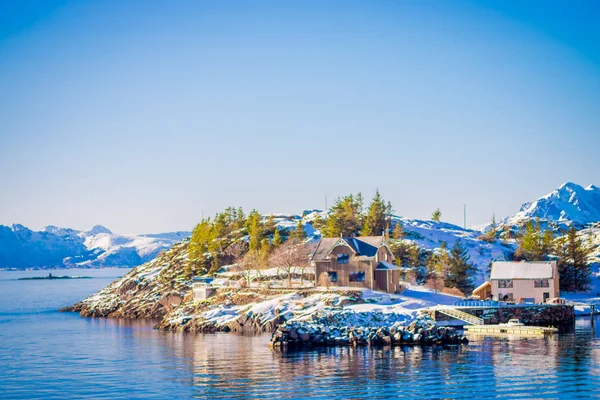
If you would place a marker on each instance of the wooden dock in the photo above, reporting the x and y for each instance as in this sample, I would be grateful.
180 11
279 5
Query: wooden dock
510 329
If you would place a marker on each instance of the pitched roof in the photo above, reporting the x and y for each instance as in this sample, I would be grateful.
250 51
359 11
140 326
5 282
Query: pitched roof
523 270
323 248
482 286
364 246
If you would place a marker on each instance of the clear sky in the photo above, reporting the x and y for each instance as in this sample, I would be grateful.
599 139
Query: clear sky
141 115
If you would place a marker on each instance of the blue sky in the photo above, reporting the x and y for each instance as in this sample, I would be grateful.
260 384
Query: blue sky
142 115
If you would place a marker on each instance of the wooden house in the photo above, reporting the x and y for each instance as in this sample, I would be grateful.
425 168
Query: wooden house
365 262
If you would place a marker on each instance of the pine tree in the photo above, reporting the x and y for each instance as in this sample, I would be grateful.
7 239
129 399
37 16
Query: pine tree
378 216
490 235
299 233
277 238
398 231
199 241
270 225
574 271
437 215
264 252
255 230
547 246
345 218
535 245
460 270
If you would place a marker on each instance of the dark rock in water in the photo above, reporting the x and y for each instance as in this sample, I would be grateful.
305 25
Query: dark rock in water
50 277
420 332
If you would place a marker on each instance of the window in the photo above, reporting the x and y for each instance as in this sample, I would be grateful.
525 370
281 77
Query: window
505 296
332 276
386 256
505 283
343 258
357 276
541 283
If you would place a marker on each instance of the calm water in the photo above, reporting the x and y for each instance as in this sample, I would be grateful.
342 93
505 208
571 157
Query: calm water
46 354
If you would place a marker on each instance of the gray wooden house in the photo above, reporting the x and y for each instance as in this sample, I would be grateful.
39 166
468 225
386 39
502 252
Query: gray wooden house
365 262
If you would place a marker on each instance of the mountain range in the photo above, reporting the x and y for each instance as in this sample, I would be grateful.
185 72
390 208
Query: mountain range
21 248
569 204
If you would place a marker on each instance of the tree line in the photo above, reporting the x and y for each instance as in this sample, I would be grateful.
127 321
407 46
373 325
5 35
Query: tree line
249 240
571 252
220 241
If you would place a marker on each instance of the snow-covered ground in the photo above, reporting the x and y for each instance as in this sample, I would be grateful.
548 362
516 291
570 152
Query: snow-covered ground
373 307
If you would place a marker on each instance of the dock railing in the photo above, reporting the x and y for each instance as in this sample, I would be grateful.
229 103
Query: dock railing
461 315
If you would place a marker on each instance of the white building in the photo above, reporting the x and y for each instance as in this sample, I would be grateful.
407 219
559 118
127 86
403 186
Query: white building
521 281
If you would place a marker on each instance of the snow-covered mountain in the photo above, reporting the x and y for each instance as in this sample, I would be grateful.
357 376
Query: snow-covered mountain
21 247
569 204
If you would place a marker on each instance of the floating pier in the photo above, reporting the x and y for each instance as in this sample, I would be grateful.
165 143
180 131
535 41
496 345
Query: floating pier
511 329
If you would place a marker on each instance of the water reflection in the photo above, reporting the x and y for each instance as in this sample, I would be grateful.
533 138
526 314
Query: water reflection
51 355
237 366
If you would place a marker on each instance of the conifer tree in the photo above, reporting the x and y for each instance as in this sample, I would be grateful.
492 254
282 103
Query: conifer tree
460 270
319 223
199 241
574 271
277 238
535 245
345 217
378 216
270 225
437 215
299 233
264 252
398 231
255 229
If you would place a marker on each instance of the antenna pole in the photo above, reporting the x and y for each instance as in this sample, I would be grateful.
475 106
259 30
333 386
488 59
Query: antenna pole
326 203
465 216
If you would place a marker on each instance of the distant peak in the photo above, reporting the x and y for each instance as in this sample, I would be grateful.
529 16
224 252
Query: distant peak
52 229
570 186
98 229
19 228
592 187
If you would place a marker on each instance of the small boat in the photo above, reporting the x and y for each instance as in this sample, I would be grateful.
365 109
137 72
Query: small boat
513 322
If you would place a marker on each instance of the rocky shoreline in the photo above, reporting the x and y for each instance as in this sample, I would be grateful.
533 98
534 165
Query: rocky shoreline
308 335
148 291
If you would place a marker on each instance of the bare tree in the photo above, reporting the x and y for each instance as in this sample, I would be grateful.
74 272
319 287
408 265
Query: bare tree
248 264
289 256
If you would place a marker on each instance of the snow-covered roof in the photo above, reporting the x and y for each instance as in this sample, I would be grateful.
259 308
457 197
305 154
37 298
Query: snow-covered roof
364 246
482 286
523 270
383 265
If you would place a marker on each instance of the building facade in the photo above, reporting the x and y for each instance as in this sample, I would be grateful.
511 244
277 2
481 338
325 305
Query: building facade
523 282
364 262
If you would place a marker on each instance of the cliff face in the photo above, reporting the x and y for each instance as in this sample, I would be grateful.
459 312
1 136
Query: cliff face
148 291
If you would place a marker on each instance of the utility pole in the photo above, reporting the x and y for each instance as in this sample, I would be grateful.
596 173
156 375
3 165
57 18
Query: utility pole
325 202
465 216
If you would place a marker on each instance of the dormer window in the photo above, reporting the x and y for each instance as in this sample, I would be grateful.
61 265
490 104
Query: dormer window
343 258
